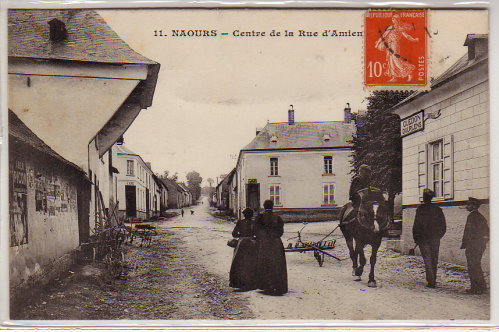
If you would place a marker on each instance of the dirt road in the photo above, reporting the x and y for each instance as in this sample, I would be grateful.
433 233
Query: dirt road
184 275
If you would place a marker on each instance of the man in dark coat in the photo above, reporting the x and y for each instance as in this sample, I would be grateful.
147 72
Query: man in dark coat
429 227
475 237
359 182
362 181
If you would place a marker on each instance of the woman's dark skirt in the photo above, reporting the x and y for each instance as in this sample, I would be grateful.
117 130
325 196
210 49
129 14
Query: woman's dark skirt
243 268
271 266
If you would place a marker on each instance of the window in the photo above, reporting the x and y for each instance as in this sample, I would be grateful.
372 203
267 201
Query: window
328 164
274 166
436 167
328 194
129 167
275 194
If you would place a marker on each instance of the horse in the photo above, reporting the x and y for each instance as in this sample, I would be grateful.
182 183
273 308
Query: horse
362 228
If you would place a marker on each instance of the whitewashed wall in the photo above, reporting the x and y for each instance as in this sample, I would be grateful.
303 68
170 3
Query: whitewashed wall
464 106
301 175
57 100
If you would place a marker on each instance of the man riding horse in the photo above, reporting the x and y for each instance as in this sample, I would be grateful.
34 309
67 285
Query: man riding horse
359 182
361 221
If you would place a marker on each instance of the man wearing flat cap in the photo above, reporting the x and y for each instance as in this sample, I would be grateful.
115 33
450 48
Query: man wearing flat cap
475 238
429 227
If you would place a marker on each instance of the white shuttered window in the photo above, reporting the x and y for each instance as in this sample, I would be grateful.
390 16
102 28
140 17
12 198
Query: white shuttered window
436 168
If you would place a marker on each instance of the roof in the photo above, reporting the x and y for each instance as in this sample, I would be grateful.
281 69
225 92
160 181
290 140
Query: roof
89 38
183 187
227 179
460 66
19 131
171 184
122 149
302 135
158 181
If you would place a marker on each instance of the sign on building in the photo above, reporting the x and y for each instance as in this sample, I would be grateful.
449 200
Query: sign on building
412 124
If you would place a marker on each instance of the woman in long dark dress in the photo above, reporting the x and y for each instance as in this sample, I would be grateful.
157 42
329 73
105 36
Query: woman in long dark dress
271 259
242 270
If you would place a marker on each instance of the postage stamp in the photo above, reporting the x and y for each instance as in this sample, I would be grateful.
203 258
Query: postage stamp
396 48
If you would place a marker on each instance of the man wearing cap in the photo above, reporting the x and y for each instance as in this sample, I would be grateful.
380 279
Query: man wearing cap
475 237
429 227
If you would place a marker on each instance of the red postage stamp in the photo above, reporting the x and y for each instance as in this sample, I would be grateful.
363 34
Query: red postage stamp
396 48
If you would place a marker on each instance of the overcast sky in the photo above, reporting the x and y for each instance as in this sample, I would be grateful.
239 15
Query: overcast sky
213 92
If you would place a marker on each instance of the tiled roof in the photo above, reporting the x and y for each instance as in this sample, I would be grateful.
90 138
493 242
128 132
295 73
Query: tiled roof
460 66
89 38
303 135
20 132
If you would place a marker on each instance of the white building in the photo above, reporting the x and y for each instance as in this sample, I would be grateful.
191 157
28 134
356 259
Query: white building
77 87
302 166
137 188
446 145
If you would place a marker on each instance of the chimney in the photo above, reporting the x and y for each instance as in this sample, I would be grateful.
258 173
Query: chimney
291 115
478 45
58 30
348 114
258 130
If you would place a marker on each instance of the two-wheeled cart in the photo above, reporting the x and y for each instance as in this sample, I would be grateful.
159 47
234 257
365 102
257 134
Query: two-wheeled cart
318 247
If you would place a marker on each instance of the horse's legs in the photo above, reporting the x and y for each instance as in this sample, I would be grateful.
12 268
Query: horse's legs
372 259
353 254
359 250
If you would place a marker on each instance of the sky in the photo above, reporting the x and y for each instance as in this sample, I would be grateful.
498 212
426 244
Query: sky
213 92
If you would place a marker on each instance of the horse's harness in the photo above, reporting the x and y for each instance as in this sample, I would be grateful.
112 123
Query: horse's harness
359 217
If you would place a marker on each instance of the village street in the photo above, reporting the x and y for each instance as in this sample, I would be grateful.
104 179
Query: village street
184 275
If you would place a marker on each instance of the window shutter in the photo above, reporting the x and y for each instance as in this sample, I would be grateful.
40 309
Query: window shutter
448 167
422 169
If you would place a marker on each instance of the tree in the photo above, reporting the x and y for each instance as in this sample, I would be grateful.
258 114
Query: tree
210 181
166 176
194 180
378 144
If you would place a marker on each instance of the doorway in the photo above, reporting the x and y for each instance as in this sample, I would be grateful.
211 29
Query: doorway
148 204
253 196
131 201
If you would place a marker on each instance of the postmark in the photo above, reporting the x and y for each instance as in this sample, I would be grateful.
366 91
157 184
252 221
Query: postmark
396 48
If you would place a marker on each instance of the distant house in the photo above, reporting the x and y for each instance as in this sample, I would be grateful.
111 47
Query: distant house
223 191
137 188
303 167
48 205
178 195
187 199
445 145
163 192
